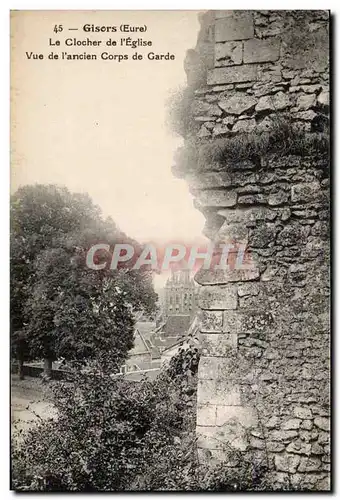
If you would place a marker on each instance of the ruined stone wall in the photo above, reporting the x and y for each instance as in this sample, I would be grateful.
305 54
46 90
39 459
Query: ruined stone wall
263 380
251 66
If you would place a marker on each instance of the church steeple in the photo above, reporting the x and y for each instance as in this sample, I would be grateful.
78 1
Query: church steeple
180 294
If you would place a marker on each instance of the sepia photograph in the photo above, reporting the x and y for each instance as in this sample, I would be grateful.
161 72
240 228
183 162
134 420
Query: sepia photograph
170 251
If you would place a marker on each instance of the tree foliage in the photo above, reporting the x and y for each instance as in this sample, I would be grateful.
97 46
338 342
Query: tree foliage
60 307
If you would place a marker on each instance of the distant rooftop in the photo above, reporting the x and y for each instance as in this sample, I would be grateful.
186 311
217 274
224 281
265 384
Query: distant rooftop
177 325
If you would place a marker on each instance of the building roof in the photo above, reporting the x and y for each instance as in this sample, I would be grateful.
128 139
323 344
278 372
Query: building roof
176 325
143 340
137 376
179 342
164 343
146 328
139 344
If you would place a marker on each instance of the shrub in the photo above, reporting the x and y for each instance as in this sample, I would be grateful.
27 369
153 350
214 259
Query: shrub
115 435
179 112
111 434
284 138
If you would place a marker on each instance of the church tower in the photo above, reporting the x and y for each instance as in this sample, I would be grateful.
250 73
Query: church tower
180 294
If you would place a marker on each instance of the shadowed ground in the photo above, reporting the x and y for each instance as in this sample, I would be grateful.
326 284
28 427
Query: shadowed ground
29 402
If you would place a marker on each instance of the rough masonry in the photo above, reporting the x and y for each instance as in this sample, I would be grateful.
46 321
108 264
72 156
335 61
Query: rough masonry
264 374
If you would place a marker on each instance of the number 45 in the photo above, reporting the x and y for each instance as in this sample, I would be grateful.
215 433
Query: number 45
58 28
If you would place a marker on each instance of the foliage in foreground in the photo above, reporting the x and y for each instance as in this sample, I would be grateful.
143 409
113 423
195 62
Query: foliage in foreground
115 435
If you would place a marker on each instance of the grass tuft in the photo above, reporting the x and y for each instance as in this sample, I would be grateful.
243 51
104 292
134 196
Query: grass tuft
283 139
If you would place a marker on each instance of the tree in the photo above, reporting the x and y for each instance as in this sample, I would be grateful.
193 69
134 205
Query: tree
62 307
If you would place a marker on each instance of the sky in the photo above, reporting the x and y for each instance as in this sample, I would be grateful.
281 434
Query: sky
99 126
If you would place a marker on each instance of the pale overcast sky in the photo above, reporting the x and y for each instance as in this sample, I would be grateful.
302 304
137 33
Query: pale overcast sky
98 126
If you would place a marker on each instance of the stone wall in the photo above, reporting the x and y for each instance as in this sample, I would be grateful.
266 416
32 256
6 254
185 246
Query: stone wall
249 66
264 375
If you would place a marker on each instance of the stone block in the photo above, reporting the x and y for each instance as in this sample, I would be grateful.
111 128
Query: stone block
247 321
204 132
217 297
315 53
236 27
207 368
206 415
209 438
215 198
324 484
257 444
263 235
212 225
305 192
307 116
273 422
307 425
202 108
247 289
287 463
232 323
322 423
310 464
242 178
234 74
206 390
248 215
229 121
291 424
237 104
221 129
305 101
275 447
227 393
223 277
232 232
266 50
218 344
291 234
252 199
276 102
232 432
283 436
299 447
213 368
244 126
228 54
211 321
218 392
316 449
206 438
265 125
323 98
244 416
278 198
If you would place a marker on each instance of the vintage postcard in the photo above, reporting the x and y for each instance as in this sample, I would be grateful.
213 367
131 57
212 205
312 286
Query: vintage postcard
170 251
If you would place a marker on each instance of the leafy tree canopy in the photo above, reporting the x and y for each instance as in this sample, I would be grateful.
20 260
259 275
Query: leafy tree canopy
60 307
